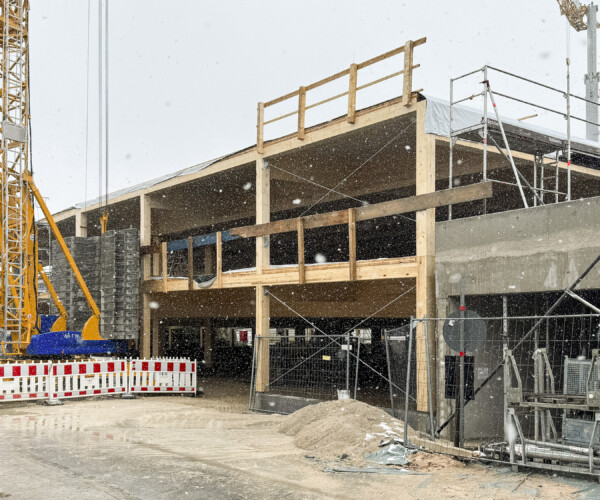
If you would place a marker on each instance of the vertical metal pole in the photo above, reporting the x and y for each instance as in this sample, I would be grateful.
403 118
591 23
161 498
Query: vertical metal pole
357 365
537 373
485 129
254 351
591 79
461 420
568 129
535 179
506 368
450 180
429 396
389 366
410 341
348 363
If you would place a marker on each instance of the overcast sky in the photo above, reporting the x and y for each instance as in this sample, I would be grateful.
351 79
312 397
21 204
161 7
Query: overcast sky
185 75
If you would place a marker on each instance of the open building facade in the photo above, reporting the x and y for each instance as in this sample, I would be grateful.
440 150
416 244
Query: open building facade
361 223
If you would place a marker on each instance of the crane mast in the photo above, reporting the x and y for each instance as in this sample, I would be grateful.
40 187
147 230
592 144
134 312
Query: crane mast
18 259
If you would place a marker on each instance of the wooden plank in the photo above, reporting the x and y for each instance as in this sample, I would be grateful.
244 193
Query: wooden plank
352 244
164 264
407 84
301 261
352 93
301 112
367 270
460 194
263 212
390 53
146 327
190 261
145 233
260 128
281 99
219 260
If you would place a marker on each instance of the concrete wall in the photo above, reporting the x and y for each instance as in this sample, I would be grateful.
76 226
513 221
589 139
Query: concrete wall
529 250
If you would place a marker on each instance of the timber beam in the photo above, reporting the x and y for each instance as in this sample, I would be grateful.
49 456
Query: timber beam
435 199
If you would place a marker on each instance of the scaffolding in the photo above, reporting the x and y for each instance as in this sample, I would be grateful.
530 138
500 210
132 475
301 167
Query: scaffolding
547 149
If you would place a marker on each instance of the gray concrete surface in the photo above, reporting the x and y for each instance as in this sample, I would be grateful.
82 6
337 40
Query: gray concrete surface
529 250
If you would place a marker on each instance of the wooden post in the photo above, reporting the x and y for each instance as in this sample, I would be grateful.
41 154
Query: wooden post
352 93
165 277
145 232
155 257
146 327
219 259
407 77
301 112
301 261
81 224
260 127
425 183
190 261
262 315
352 244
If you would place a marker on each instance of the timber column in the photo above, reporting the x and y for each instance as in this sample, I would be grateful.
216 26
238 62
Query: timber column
145 240
425 183
263 214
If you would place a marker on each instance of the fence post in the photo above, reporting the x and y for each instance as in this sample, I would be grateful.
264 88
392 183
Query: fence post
348 363
407 77
429 396
352 93
190 259
165 278
357 365
410 341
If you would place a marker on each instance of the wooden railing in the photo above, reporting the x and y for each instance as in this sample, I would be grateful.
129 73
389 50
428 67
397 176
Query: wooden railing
352 73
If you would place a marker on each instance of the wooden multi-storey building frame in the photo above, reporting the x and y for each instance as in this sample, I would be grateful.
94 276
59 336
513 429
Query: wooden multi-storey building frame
381 155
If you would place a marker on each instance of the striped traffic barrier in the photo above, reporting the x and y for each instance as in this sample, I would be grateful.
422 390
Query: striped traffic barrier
162 376
88 378
23 381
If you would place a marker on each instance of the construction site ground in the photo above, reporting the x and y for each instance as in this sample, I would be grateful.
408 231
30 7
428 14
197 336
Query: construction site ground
212 447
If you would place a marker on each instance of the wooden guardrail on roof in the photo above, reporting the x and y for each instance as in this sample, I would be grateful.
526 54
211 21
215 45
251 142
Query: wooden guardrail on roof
352 73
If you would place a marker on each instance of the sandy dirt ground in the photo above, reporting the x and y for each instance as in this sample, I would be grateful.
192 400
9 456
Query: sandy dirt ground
212 447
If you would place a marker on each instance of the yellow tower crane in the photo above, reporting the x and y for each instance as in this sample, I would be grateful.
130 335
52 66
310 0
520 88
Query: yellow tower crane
19 266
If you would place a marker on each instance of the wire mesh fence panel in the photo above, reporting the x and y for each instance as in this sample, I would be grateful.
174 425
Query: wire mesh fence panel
520 390
314 367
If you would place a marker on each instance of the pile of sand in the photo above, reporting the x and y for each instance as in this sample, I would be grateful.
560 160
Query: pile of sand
333 429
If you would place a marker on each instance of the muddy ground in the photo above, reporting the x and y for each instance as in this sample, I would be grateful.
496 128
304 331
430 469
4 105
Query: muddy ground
212 447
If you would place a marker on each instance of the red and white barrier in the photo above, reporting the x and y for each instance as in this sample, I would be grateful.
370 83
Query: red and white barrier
79 379
156 376
88 378
23 381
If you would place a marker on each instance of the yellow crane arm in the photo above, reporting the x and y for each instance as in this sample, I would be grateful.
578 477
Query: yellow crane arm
61 322
91 329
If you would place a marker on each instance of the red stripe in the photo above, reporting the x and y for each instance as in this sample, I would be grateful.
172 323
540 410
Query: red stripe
169 389
68 370
16 396
1 397
110 367
170 367
16 371
82 393
45 394
45 369
33 395
143 388
182 388
32 370
157 389
463 308
97 391
54 370
96 367
194 367
111 390
67 394
1 371
82 369
144 366
157 366
182 367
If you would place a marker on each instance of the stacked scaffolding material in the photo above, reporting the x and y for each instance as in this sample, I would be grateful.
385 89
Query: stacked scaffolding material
110 268
120 283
